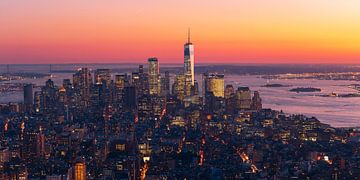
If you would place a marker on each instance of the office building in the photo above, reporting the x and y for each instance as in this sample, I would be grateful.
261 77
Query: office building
189 69
179 87
229 91
130 97
102 76
165 84
214 83
80 171
243 98
28 94
256 101
82 82
154 76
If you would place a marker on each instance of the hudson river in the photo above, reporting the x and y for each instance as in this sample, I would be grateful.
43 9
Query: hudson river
336 111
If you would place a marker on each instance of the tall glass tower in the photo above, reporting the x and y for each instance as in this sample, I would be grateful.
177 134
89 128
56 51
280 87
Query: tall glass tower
154 76
189 61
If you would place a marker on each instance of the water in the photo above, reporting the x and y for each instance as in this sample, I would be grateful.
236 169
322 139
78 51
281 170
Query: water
336 111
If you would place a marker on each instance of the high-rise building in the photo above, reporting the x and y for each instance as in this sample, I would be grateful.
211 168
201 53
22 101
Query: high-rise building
40 144
68 88
189 61
37 101
139 81
120 81
4 155
80 171
229 91
107 114
215 84
130 97
154 76
82 81
149 107
33 144
144 82
16 169
135 79
179 87
165 84
102 75
256 103
48 98
213 93
144 108
67 84
141 69
195 96
62 95
243 98
28 94
230 100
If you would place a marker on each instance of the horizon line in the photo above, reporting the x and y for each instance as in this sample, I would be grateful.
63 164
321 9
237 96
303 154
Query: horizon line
200 63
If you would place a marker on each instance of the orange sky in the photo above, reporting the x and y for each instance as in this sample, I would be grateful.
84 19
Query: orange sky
229 31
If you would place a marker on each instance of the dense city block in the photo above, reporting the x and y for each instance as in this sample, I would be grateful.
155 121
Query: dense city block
151 125
101 125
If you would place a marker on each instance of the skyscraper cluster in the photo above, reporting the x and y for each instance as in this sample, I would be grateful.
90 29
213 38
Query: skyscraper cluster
152 125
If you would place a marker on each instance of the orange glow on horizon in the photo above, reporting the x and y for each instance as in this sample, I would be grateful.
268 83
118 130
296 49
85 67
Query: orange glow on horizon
235 31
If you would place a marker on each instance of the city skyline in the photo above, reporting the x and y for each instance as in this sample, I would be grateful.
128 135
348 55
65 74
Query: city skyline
104 125
231 32
94 89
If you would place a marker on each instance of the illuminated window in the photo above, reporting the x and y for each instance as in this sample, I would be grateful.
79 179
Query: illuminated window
120 147
119 167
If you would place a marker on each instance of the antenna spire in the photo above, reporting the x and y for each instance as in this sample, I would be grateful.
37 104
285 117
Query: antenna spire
189 35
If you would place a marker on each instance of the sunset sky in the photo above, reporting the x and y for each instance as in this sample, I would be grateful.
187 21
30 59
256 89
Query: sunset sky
226 31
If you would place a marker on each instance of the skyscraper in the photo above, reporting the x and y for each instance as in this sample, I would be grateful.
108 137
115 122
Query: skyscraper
102 75
144 82
79 170
28 94
144 108
154 76
256 103
179 87
82 84
243 98
130 97
214 92
48 97
229 91
189 61
165 84
214 83
230 101
120 81
37 101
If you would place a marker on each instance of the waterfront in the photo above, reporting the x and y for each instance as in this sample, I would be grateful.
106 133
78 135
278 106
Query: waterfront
336 111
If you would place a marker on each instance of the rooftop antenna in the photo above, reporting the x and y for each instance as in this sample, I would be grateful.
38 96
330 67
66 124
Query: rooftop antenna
189 35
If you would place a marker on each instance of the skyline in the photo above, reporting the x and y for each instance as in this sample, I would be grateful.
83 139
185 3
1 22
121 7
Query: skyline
129 32
167 89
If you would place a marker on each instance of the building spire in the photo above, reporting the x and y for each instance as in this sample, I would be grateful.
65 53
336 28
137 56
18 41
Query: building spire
189 35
